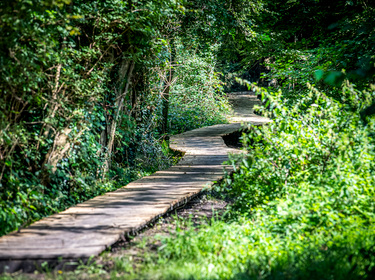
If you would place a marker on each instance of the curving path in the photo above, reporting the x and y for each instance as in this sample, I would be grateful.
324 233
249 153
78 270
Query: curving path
89 228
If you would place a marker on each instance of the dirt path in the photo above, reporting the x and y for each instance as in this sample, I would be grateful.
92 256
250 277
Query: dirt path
89 228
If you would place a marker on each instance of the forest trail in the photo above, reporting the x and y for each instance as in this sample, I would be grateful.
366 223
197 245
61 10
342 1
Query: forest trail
89 228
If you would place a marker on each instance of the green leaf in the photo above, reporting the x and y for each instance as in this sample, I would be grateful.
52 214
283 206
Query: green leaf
334 78
319 74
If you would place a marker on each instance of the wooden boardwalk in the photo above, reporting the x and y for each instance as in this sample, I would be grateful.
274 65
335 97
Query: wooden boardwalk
89 228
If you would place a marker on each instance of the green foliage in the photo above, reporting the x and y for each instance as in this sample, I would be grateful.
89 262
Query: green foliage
313 140
197 96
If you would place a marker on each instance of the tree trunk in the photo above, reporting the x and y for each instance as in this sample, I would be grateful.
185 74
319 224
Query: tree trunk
166 92
61 146
120 97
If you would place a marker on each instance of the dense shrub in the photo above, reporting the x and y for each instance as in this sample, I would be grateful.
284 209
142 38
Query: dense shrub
197 97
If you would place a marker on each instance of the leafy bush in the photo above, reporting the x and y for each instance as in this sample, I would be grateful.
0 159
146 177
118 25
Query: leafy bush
197 98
